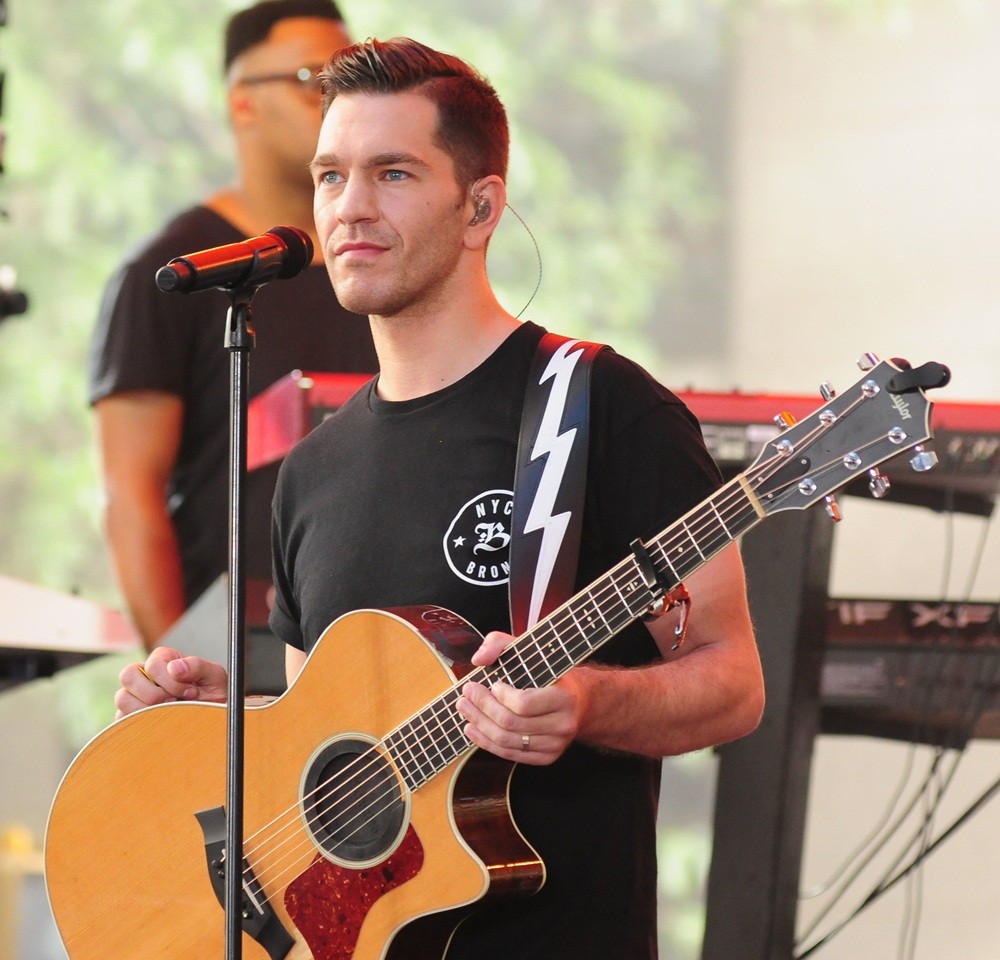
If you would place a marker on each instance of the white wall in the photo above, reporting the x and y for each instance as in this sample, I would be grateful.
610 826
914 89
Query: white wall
865 173
865 160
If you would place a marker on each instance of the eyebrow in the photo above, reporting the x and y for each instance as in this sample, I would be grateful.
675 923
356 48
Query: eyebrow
394 158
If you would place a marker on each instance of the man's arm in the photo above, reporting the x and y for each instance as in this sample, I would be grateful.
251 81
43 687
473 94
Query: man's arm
708 692
139 436
295 660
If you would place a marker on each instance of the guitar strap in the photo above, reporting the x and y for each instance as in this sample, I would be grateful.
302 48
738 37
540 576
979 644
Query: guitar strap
550 479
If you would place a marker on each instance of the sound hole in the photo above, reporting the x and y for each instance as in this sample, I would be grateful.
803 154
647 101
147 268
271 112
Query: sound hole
353 803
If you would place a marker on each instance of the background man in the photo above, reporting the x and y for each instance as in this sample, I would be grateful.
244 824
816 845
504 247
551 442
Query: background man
409 186
159 376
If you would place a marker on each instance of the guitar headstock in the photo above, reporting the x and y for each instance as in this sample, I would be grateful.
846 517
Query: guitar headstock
881 416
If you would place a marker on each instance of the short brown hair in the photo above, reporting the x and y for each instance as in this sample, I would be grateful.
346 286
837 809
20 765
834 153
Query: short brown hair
472 123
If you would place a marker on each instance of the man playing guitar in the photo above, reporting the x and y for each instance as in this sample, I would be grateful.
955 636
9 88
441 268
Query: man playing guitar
379 508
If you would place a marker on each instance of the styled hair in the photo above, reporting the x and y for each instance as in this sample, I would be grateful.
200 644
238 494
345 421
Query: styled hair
251 26
472 123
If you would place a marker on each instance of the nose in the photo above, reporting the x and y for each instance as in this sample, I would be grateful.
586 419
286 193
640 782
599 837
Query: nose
357 201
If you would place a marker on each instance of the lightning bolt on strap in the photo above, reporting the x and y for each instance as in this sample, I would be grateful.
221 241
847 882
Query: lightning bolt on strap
550 478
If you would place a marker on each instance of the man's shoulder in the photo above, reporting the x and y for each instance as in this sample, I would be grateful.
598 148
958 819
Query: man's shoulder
192 229
625 394
622 372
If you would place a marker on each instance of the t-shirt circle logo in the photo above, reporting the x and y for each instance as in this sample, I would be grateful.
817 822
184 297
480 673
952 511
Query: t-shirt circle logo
477 544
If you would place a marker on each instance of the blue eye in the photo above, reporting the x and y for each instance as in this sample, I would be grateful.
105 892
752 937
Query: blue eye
396 175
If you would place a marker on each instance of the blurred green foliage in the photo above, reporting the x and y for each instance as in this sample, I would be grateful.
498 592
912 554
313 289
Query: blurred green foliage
112 122
114 119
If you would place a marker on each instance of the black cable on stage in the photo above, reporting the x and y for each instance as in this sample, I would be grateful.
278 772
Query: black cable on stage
979 686
893 830
893 879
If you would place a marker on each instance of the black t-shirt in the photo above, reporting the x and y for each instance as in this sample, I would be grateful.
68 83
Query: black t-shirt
149 340
390 504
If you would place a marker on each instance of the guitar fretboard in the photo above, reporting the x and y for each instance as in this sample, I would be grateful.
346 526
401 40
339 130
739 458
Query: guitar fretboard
430 740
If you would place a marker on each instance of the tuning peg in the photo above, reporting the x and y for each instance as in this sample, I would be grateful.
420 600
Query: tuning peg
923 460
866 361
826 390
783 420
832 509
878 483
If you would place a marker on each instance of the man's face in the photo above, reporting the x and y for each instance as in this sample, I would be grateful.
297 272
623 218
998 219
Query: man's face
390 214
285 113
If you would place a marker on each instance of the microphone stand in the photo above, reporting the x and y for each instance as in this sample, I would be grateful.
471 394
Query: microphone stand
239 341
215 268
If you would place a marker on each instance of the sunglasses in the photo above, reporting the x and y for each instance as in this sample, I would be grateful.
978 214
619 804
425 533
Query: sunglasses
305 78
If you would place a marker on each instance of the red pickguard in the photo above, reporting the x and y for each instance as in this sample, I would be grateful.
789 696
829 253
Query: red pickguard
329 903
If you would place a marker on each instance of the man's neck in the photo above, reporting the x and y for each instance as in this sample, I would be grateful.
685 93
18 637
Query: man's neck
421 355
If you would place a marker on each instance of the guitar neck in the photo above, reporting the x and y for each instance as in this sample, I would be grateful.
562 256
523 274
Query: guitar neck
434 738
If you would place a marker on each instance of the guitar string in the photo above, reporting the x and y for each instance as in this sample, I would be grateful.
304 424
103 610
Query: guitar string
388 796
665 552
609 590
687 524
390 792
624 572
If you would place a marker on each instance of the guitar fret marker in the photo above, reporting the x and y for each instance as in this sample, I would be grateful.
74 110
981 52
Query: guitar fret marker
600 612
563 645
541 653
524 666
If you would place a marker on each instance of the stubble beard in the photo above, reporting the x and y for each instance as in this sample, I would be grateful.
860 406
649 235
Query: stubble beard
394 297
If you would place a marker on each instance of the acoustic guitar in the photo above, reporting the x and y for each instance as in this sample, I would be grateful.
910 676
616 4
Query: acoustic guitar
372 824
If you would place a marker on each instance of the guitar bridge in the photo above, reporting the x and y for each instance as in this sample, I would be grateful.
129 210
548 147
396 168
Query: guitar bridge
259 921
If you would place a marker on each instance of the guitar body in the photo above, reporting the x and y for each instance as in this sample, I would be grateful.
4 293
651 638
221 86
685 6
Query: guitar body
126 863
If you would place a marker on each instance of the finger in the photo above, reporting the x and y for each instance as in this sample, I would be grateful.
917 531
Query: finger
127 701
501 731
490 719
532 749
533 702
137 681
153 675
493 727
481 704
494 643
199 679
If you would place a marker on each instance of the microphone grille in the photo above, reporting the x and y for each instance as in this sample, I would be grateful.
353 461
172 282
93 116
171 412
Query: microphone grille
299 245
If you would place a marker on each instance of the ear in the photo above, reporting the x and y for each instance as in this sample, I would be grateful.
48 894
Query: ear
484 206
241 104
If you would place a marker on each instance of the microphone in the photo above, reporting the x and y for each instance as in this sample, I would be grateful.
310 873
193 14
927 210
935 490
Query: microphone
282 252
